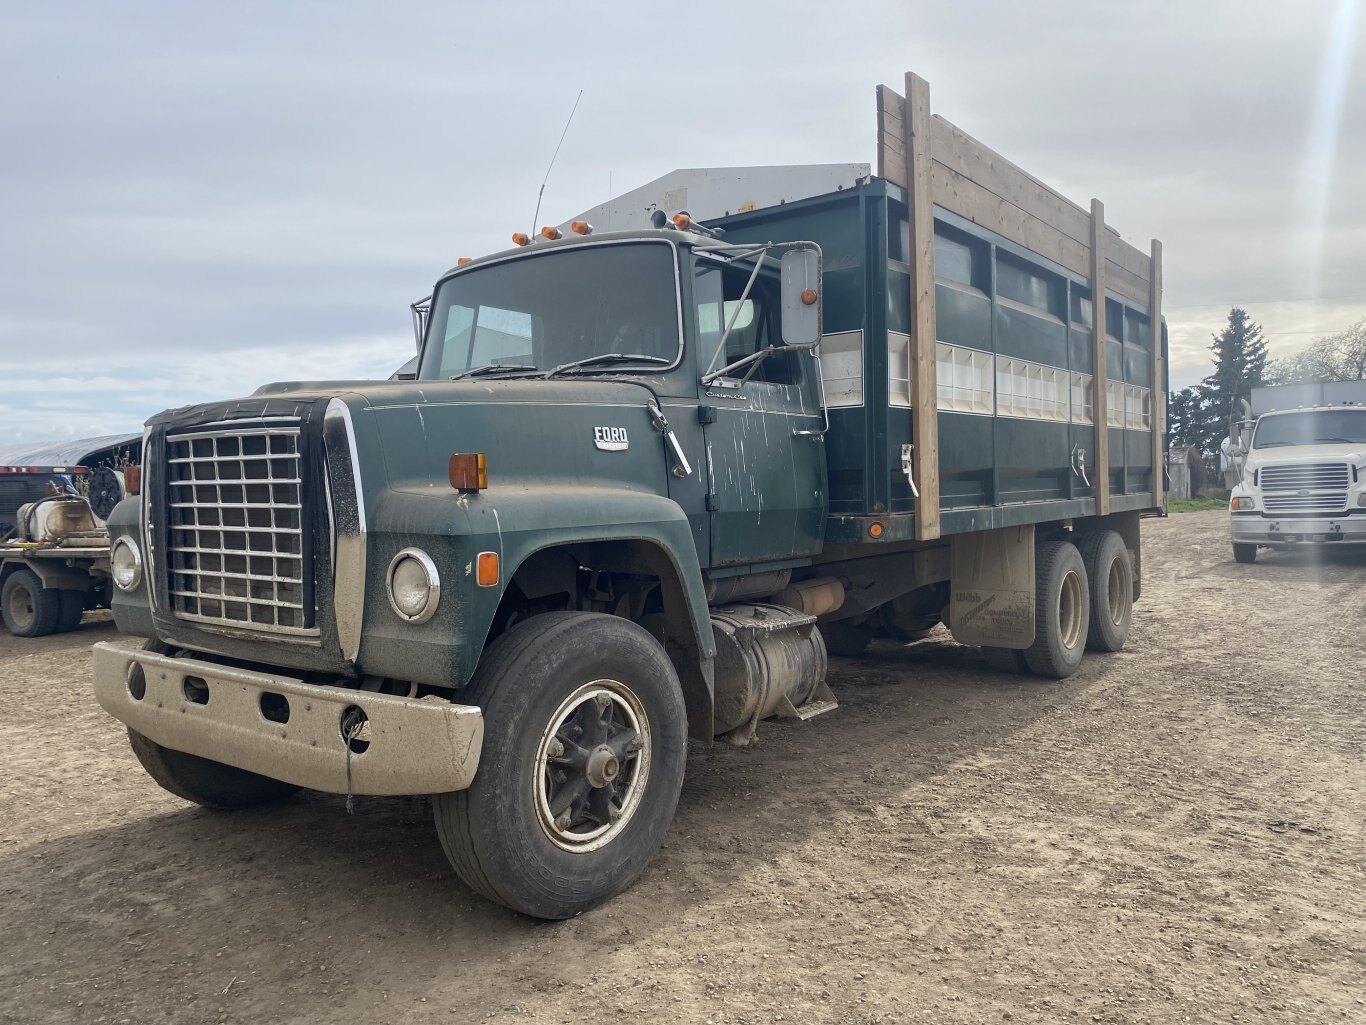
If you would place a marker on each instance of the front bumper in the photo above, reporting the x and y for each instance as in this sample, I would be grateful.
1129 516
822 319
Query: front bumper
415 745
1255 528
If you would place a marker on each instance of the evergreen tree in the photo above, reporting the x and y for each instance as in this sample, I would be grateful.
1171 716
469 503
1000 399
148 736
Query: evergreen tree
1188 416
1239 366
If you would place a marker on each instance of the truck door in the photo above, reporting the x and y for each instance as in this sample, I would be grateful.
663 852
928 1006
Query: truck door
762 424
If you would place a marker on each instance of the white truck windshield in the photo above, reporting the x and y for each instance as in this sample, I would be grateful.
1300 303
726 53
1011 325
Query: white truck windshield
1312 427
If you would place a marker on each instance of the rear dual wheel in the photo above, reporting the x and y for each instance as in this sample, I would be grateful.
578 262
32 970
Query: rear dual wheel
1062 611
1110 572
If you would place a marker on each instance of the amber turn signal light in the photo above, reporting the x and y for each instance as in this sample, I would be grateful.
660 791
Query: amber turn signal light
132 479
486 569
551 232
521 238
875 529
808 296
469 471
581 228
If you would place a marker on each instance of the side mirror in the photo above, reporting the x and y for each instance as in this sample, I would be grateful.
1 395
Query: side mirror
422 309
801 277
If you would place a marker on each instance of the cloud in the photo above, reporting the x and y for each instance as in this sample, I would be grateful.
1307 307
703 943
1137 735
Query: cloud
197 198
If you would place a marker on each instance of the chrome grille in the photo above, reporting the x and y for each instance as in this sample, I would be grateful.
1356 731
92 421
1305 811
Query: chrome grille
1305 487
236 528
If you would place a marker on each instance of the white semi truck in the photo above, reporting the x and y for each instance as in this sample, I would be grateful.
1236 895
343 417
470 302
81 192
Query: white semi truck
1304 478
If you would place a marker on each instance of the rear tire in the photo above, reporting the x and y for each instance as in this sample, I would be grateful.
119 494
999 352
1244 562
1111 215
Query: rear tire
1062 611
1111 576
204 782
585 743
845 638
1005 660
1244 553
28 608
73 608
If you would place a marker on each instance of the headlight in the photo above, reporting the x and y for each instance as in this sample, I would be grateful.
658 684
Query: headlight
1243 504
414 585
125 564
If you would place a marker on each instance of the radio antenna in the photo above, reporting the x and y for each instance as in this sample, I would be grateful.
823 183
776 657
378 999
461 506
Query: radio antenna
539 195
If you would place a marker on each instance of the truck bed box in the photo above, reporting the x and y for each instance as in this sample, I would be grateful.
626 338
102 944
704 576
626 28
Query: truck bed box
1008 274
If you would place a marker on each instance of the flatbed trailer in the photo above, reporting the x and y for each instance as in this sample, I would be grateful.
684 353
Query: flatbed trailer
46 588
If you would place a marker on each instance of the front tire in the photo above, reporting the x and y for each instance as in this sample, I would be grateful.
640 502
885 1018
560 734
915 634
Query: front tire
1062 611
28 608
205 782
585 742
1244 553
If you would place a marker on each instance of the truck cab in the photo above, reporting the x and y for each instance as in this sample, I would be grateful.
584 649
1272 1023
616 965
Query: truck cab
1304 481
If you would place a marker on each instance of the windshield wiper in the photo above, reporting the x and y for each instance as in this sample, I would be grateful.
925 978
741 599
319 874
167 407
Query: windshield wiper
1336 441
608 357
489 368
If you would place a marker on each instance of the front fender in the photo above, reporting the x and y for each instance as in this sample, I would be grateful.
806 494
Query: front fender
515 521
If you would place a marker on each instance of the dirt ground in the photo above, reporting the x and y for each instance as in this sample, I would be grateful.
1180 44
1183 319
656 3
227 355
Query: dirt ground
1175 834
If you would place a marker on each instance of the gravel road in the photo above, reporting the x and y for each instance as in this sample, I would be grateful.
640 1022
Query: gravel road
1175 834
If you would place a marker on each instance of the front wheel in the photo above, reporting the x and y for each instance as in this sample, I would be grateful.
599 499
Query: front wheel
205 782
1244 553
585 741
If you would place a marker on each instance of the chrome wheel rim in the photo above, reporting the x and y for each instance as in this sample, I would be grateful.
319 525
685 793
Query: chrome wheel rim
592 766
1069 610
21 610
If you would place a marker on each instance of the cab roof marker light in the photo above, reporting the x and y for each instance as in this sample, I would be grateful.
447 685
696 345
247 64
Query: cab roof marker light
581 228
551 232
521 238
462 261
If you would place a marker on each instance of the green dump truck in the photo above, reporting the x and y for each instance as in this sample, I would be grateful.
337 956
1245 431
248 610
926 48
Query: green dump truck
642 482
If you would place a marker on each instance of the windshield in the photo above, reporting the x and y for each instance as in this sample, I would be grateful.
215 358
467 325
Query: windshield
565 306
1312 427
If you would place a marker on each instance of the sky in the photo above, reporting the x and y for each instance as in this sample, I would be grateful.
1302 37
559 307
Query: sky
196 199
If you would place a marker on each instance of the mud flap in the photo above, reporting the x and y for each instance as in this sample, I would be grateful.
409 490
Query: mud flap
992 587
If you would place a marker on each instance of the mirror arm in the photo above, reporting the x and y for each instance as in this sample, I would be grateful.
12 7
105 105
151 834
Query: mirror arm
725 335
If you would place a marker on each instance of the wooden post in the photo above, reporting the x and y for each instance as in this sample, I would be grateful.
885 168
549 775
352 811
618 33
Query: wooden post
1100 406
1159 396
924 385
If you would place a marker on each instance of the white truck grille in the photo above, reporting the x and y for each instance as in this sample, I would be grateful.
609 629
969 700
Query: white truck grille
1305 487
236 527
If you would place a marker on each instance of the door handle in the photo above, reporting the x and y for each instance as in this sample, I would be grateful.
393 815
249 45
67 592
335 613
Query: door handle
682 468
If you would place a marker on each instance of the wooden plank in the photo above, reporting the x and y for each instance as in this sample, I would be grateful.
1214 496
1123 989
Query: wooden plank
924 384
960 152
1100 397
1135 261
966 198
891 136
1126 283
1159 398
